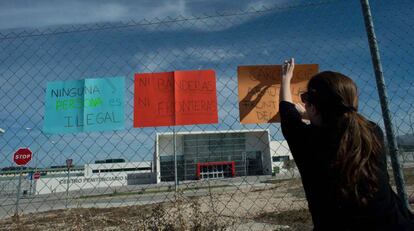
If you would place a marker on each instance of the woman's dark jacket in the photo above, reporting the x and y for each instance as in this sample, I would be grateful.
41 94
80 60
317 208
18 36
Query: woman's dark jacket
314 150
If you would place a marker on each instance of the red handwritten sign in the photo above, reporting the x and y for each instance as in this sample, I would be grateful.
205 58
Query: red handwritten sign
154 99
175 98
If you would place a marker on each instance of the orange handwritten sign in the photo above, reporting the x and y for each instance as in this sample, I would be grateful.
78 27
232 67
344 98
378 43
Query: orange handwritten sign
259 90
175 98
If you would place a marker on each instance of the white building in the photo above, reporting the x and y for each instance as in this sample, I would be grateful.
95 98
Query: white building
212 154
97 176
201 154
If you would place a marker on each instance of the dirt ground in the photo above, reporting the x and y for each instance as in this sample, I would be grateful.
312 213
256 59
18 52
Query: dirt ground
134 218
278 206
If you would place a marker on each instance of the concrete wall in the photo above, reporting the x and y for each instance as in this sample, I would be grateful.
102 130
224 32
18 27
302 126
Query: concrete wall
259 141
89 168
60 184
280 148
103 180
166 145
92 180
8 186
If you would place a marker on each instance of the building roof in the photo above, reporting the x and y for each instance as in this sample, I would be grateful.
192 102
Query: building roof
212 132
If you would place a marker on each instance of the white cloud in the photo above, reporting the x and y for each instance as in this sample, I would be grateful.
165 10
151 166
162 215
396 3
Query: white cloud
167 59
109 12
44 13
265 4
213 54
49 13
169 8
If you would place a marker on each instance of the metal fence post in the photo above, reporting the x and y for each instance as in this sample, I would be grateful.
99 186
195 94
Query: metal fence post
175 160
67 189
245 164
389 129
16 213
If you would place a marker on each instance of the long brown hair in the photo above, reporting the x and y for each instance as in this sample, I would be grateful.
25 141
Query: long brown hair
335 97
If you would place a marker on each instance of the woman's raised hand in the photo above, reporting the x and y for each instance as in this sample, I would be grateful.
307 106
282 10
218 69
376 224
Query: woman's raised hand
287 69
287 74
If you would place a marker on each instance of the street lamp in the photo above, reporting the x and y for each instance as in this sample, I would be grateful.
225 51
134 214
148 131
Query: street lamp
2 131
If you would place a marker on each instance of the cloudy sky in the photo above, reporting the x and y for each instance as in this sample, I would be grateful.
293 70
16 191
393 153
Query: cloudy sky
43 41
26 13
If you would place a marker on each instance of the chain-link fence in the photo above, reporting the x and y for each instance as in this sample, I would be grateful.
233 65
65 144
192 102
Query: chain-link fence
397 70
230 175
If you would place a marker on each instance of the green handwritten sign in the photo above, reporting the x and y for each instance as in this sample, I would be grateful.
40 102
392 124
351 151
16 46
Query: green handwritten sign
85 105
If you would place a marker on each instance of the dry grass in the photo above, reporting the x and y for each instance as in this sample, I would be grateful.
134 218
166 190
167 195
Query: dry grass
152 217
278 206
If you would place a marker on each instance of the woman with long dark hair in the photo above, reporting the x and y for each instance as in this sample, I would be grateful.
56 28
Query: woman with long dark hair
340 156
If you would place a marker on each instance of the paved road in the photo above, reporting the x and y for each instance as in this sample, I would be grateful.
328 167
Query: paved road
124 196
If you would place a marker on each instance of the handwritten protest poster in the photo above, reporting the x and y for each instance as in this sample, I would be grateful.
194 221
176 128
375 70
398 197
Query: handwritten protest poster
259 88
175 98
154 99
195 97
84 105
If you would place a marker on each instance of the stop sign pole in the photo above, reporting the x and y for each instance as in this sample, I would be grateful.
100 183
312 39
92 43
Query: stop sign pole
21 157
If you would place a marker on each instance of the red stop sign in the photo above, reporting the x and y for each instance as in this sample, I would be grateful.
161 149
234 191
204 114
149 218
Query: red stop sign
22 156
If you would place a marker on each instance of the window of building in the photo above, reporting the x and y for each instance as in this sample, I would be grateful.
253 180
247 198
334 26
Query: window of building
121 169
280 158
